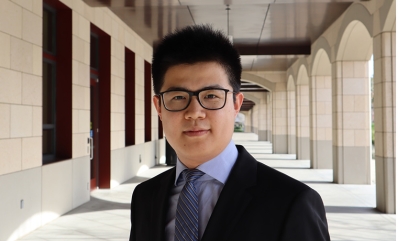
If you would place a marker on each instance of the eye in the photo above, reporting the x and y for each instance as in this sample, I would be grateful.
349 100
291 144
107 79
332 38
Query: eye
178 97
211 96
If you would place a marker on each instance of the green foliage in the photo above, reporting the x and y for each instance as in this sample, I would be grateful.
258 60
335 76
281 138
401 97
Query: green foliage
373 133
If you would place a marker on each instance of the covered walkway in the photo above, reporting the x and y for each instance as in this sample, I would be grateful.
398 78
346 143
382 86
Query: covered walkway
350 209
319 78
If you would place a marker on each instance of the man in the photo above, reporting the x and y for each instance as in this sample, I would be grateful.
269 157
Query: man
217 191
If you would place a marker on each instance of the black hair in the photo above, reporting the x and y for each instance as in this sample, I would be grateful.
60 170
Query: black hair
193 44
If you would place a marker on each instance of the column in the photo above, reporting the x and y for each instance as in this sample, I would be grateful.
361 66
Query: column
292 142
385 120
321 151
280 120
351 122
262 122
303 122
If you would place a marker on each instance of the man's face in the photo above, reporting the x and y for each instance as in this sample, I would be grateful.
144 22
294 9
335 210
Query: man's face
197 134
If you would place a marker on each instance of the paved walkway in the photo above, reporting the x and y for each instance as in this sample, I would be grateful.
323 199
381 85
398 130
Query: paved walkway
350 209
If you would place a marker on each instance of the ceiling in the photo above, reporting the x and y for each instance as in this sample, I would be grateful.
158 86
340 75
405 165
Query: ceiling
269 34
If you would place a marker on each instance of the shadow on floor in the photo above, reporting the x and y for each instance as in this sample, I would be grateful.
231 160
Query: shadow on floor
346 209
136 179
97 205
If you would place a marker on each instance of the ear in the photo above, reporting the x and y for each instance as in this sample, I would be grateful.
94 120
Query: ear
239 102
157 105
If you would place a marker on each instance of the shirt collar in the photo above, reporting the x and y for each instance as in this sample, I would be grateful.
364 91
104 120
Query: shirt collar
219 167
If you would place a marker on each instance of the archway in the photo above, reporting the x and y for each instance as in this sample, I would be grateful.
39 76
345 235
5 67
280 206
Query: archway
350 104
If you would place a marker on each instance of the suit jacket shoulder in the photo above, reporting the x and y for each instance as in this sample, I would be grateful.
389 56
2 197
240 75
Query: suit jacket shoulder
149 206
261 203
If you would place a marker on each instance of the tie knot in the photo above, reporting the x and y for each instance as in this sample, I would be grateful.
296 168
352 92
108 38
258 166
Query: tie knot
192 174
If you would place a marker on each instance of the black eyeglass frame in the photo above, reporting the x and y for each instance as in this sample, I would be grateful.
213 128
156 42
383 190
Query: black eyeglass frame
195 93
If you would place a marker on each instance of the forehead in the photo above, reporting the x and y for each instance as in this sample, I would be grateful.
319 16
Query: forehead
195 76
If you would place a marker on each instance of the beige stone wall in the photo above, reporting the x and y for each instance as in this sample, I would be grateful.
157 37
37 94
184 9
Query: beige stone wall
20 85
21 80
52 190
81 80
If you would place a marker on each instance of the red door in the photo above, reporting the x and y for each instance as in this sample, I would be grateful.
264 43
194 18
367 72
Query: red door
94 133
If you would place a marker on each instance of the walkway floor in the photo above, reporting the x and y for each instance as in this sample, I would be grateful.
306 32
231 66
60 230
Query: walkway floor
350 209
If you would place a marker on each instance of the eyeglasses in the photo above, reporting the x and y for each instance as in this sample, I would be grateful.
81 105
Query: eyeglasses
210 99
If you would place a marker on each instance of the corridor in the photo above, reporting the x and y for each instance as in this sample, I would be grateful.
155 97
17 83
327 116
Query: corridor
350 209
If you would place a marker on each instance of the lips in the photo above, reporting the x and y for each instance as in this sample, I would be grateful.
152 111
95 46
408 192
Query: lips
196 132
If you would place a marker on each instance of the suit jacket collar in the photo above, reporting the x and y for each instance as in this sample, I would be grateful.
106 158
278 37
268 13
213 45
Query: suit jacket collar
234 198
160 207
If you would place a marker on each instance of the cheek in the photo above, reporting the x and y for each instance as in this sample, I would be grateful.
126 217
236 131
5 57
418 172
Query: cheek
224 121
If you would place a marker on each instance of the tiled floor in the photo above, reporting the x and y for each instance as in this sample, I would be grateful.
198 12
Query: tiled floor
350 209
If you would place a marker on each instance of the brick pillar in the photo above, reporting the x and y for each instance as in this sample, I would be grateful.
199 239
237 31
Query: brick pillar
321 151
385 120
351 122
280 121
292 142
262 122
303 122
255 119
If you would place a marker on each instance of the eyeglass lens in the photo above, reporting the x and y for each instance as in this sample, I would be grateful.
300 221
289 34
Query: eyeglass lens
209 99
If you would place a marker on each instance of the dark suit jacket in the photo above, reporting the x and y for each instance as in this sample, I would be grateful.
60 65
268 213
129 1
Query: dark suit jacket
256 203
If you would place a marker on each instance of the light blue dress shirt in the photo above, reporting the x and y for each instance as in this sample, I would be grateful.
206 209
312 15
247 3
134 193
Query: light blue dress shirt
208 188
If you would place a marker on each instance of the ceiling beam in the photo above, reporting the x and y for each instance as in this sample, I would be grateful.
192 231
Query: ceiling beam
274 49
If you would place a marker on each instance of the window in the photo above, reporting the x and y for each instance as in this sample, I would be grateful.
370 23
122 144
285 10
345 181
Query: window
56 82
129 97
48 85
147 101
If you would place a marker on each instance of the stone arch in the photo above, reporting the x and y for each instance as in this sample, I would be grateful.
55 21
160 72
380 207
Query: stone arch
388 16
321 44
355 44
302 76
259 80
321 64
251 97
356 27
290 83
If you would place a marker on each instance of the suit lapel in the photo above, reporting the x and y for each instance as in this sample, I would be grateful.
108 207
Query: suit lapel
160 204
234 198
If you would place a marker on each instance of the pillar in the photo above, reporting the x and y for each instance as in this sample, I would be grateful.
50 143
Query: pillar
321 151
280 131
303 122
292 140
262 122
351 122
385 120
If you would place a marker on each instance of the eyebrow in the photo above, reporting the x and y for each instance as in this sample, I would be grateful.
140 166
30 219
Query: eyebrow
185 89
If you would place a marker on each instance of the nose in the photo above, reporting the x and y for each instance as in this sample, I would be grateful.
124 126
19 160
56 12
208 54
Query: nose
195 110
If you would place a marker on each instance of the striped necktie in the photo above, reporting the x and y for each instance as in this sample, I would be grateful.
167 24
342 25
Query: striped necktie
186 221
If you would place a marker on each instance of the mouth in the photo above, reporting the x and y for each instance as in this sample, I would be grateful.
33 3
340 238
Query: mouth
199 132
